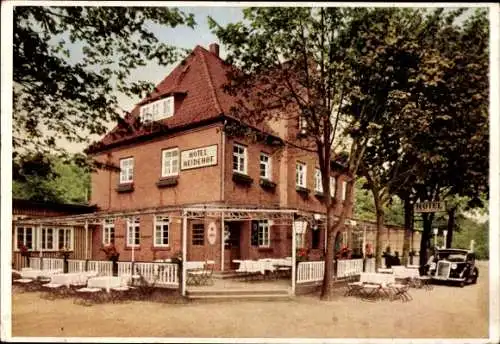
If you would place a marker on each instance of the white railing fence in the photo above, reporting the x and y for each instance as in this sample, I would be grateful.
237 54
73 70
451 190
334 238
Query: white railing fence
370 265
76 265
52 264
346 267
314 271
124 268
34 263
160 273
310 271
104 268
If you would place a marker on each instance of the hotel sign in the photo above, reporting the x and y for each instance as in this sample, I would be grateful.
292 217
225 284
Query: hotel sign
429 207
199 157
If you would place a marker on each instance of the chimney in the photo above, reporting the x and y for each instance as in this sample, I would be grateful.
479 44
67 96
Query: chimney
214 49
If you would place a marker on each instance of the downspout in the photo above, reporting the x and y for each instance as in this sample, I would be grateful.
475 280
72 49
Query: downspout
223 160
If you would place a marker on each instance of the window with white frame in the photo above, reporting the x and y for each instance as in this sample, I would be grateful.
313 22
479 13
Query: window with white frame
47 239
170 162
300 174
127 170
25 237
333 184
344 190
157 110
65 239
265 166
162 224
264 234
318 184
133 231
239 158
108 232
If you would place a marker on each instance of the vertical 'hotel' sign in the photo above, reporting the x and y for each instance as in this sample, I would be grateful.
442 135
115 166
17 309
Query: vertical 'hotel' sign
199 157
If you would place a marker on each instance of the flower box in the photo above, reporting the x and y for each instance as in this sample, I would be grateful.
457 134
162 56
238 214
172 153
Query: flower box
303 191
129 187
167 182
267 184
242 178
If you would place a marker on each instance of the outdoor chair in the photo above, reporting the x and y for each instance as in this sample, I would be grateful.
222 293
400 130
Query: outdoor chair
400 291
119 294
53 290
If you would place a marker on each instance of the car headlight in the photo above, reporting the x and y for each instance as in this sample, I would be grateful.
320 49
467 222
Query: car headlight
433 266
454 266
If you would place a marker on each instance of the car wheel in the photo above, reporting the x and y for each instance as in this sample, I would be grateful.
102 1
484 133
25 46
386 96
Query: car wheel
475 276
462 284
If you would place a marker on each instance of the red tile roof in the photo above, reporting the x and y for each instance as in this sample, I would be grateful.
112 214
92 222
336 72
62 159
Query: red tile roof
201 76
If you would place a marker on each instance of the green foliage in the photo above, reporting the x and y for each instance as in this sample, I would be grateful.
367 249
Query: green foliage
60 96
65 182
364 207
468 230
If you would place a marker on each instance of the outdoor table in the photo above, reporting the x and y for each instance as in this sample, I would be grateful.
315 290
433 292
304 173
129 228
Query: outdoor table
104 282
384 271
34 274
73 278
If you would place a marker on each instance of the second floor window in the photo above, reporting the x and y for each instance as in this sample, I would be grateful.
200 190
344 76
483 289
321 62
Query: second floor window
65 239
318 184
239 159
161 230
127 170
48 239
24 237
108 233
133 231
170 163
300 175
265 166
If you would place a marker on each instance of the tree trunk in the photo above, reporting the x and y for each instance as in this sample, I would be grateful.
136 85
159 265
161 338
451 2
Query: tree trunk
426 235
451 227
378 245
331 233
408 207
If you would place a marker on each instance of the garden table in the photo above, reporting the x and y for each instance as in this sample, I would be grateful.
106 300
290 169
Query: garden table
73 278
34 273
105 282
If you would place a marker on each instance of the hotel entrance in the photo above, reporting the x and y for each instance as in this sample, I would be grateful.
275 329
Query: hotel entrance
232 244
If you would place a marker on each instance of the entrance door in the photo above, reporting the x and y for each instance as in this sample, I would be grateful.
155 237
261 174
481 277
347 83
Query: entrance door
232 233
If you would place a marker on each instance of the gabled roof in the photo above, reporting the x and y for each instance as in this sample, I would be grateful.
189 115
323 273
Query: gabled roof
199 80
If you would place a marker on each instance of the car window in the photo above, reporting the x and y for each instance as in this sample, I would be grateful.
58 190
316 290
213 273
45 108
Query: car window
453 257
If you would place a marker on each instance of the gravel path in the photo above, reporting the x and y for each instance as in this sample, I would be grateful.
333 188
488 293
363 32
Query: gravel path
444 312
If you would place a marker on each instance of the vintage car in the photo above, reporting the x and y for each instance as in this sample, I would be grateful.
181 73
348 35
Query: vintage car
454 265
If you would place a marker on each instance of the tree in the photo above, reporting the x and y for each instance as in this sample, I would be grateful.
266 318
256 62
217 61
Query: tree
60 96
63 183
312 65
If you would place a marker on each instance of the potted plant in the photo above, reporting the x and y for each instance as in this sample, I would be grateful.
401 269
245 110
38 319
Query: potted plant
177 259
25 253
113 255
344 253
302 255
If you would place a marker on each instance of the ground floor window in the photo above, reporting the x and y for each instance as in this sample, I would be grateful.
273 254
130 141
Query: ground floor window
48 239
65 239
261 234
108 233
198 234
133 231
24 237
357 244
162 224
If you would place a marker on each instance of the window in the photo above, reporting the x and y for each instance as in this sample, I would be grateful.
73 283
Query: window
157 110
318 184
198 234
24 236
65 239
344 190
239 159
261 235
265 166
170 162
126 170
108 233
300 174
316 235
302 124
133 231
333 185
48 239
161 230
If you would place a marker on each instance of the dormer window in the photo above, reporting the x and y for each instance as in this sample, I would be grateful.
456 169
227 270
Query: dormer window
158 110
